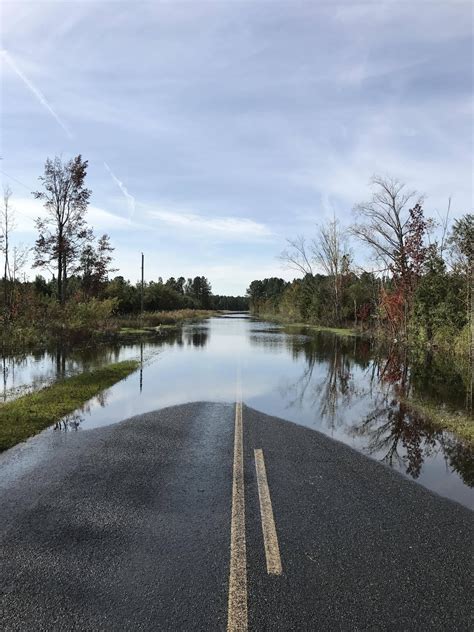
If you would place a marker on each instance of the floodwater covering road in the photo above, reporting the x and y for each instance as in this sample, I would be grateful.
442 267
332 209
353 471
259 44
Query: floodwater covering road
336 385
200 512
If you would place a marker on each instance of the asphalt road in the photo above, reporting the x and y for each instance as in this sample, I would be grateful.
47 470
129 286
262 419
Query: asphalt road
129 528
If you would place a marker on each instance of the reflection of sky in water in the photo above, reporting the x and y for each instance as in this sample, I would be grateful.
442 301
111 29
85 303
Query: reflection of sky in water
24 373
323 385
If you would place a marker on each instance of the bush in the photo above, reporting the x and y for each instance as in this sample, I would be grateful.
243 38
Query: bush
82 319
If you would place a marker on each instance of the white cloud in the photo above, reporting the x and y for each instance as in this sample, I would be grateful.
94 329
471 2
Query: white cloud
224 226
27 210
227 112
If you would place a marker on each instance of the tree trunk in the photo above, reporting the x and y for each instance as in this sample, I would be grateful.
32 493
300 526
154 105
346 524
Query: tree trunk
64 279
60 279
60 265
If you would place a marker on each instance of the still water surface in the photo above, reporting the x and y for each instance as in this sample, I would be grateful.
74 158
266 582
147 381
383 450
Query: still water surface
338 386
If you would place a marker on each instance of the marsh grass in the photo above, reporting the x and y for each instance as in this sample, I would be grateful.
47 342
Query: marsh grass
31 413
289 325
459 423
156 319
339 331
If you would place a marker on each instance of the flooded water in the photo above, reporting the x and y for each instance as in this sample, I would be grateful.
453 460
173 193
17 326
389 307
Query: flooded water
339 386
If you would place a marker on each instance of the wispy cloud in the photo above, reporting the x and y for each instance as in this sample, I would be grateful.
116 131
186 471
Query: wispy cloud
231 226
245 130
27 210
37 93
128 196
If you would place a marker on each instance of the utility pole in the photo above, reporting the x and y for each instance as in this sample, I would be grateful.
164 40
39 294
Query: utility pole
141 293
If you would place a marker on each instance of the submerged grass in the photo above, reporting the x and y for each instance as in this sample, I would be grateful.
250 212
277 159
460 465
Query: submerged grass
340 331
459 423
289 324
31 413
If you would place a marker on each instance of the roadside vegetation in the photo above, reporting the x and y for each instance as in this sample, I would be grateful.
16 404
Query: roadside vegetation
159 322
412 286
461 424
31 413
77 299
75 296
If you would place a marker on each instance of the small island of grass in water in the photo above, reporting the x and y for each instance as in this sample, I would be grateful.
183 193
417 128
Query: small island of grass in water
459 423
29 414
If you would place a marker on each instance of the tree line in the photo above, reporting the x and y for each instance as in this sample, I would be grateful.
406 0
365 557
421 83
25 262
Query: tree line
159 295
418 286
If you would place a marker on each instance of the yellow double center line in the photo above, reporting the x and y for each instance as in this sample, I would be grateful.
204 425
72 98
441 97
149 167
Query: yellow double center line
237 605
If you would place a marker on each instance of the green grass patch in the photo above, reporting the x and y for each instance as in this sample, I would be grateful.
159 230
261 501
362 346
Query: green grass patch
147 331
288 325
459 423
340 331
132 331
31 413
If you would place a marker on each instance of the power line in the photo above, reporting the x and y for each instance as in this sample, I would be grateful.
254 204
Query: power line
17 210
15 180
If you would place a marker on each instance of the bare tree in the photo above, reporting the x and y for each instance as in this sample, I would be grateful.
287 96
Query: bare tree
19 259
331 252
298 255
444 222
327 251
384 222
64 231
393 225
7 225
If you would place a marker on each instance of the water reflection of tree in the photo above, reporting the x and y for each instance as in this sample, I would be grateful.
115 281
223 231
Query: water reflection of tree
336 388
69 422
401 436
72 421
30 369
390 429
197 337
461 459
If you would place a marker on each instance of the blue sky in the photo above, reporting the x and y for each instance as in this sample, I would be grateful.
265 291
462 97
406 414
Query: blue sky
215 130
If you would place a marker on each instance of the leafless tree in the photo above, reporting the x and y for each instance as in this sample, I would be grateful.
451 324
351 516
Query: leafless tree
393 225
19 259
327 251
384 222
444 222
331 252
299 255
7 225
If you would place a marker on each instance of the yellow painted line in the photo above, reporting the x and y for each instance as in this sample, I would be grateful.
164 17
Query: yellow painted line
270 538
237 604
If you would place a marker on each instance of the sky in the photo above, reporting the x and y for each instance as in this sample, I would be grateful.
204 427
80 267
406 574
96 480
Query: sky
216 130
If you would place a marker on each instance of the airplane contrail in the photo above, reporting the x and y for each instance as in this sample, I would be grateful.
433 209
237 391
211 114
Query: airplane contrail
41 98
130 199
9 59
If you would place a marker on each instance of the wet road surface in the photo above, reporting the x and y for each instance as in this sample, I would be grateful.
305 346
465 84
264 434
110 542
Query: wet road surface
129 526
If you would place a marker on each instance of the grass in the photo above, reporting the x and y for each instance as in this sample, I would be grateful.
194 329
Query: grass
31 413
340 331
289 324
160 319
459 423
126 331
